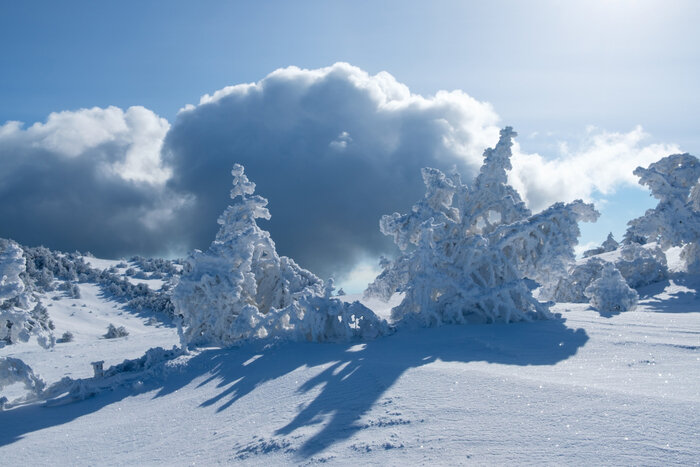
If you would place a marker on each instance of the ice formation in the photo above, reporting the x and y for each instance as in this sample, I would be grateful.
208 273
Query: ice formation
610 293
241 289
21 315
474 253
675 221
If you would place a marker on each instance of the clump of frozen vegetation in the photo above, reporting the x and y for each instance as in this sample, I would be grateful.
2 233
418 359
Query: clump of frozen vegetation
475 253
610 293
66 337
675 221
47 270
241 289
642 266
114 332
21 314
572 287
639 266
156 362
157 268
610 244
13 371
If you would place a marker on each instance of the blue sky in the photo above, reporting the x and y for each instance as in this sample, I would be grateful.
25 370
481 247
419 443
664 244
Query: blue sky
550 69
544 65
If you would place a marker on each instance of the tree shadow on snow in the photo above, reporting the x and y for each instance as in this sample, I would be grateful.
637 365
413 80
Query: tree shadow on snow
351 380
679 301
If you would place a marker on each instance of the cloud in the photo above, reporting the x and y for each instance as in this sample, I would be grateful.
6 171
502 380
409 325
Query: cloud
90 179
603 162
333 149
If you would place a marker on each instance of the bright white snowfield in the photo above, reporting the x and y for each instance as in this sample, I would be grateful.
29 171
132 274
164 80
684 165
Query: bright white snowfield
583 389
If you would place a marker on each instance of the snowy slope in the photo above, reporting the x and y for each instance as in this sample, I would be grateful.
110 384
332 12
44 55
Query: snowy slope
583 389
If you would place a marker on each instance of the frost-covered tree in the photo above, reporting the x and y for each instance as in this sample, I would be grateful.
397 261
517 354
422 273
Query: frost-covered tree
610 244
241 289
610 293
473 253
639 266
114 332
21 315
491 201
572 287
675 221
642 265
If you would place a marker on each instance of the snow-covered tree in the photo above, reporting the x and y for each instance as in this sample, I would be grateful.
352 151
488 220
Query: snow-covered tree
21 315
610 293
610 244
639 265
241 289
675 221
642 265
473 253
572 287
491 201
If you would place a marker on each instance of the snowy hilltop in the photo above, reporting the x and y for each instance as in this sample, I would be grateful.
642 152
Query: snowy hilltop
482 332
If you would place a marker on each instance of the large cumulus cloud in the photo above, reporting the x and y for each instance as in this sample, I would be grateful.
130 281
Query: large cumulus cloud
602 162
90 179
333 149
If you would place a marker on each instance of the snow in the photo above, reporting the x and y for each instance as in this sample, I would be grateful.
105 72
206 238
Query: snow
622 389
87 318
340 384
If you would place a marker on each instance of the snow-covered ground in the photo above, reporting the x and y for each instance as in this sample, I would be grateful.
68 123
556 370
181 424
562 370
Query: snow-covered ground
582 389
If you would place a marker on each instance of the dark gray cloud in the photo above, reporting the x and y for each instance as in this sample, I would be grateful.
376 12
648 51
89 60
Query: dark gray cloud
332 149
89 180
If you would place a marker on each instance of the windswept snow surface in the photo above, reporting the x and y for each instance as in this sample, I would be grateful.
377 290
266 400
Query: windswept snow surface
582 389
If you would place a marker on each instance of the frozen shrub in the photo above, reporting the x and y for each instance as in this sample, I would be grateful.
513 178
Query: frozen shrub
641 266
71 289
21 315
156 266
114 332
66 337
475 253
610 293
573 287
241 289
43 266
675 221
14 370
